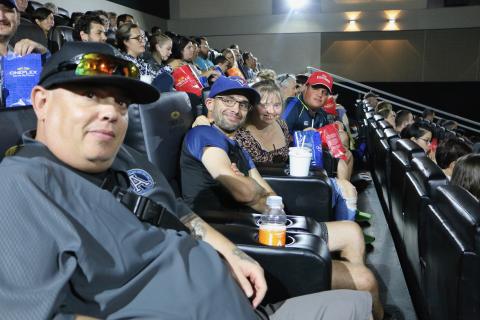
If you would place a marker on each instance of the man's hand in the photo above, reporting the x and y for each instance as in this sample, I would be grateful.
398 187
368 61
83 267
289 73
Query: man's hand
27 46
249 274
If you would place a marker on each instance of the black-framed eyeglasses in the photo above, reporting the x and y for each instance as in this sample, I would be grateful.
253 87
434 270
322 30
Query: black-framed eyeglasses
140 38
230 103
92 64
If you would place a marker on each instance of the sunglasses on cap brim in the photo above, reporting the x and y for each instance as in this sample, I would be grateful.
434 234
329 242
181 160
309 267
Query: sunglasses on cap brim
97 64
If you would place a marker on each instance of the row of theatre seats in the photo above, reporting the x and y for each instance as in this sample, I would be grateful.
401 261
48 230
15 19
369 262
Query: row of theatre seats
57 35
436 226
157 130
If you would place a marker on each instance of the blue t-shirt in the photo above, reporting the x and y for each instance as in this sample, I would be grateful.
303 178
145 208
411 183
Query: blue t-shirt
199 189
203 64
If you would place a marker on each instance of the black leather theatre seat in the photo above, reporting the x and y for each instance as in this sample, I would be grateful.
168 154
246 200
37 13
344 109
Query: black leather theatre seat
13 123
392 136
451 258
302 267
421 185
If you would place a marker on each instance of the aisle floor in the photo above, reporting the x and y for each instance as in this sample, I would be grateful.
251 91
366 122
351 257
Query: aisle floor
383 260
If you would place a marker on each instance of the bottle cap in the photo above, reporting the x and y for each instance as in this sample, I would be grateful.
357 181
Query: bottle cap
274 201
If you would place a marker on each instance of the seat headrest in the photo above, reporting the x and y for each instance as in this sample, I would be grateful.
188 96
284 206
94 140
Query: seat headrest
14 123
390 133
384 124
430 173
460 208
157 129
412 149
369 115
379 133
378 117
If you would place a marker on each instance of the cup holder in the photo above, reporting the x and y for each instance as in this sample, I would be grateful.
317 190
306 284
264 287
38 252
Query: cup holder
289 240
258 222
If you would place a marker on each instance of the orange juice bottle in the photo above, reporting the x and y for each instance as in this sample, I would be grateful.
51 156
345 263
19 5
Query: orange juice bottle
273 228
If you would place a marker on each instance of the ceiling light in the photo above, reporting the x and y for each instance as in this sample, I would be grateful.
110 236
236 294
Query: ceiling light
297 4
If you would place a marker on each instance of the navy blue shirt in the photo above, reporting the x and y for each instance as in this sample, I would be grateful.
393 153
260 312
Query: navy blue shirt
298 116
200 191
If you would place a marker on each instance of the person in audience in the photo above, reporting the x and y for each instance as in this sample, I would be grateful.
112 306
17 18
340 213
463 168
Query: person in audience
372 99
403 118
183 51
202 62
43 17
288 85
124 18
428 114
266 74
450 125
388 114
447 153
74 18
249 65
306 112
8 26
466 173
89 28
301 83
161 49
104 16
230 56
51 6
222 63
83 263
21 5
112 19
131 41
214 166
420 133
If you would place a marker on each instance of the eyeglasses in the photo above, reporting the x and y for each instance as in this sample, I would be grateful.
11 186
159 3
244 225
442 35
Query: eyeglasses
92 64
140 38
230 103
425 140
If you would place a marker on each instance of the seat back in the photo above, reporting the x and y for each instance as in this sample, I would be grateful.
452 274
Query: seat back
392 136
61 34
384 124
158 128
411 149
451 278
382 168
61 20
29 31
420 185
63 12
14 122
399 166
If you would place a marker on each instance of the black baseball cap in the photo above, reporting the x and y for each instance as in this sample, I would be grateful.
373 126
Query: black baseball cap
9 3
54 74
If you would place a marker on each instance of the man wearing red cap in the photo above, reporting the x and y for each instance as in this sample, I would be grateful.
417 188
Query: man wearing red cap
306 110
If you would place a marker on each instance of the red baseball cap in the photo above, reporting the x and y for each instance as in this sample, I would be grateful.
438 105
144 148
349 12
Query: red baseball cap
323 78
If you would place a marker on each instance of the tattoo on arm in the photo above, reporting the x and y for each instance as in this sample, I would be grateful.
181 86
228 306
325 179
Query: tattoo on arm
242 255
196 225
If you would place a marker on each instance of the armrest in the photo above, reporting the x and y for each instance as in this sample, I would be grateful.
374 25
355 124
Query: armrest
306 196
294 223
300 268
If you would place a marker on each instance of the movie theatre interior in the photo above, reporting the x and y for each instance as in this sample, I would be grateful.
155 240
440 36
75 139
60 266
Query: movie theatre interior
254 159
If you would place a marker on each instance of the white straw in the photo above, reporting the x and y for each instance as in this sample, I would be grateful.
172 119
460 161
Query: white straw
303 141
313 120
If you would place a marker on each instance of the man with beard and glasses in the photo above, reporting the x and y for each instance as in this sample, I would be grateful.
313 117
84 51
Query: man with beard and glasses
216 173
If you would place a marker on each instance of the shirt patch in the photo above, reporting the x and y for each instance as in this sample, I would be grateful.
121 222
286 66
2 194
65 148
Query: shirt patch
141 181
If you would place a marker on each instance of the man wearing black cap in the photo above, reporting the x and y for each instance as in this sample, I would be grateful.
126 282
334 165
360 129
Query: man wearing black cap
68 246
69 241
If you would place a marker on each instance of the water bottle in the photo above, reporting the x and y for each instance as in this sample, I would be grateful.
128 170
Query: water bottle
273 230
